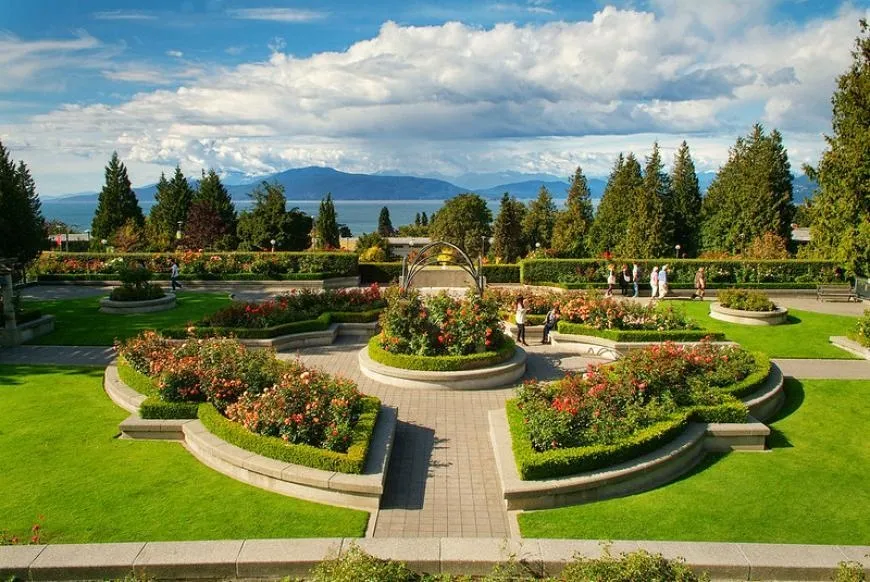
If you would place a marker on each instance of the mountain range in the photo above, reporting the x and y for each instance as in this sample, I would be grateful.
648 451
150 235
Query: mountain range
313 182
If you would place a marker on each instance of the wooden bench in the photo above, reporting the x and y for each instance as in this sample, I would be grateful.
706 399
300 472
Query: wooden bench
835 293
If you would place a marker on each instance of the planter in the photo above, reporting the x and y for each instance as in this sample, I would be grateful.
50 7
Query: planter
503 374
148 306
25 332
776 317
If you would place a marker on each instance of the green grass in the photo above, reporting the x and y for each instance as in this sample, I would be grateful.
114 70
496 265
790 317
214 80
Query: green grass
811 488
79 323
62 460
804 336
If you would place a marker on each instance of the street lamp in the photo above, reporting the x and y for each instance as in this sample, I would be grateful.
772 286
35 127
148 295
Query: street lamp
273 241
677 250
537 246
178 232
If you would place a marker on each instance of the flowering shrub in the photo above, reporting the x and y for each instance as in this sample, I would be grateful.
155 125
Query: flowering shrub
305 406
298 305
440 325
862 330
142 350
745 300
610 402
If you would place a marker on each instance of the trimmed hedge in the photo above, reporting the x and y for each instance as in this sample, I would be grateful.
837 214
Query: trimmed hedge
153 407
639 335
275 448
321 323
754 381
27 315
645 286
51 277
441 363
382 273
502 273
719 272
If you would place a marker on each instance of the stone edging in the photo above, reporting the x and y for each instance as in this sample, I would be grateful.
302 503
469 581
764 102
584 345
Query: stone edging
314 338
776 317
850 346
361 491
164 303
25 332
503 374
640 474
279 558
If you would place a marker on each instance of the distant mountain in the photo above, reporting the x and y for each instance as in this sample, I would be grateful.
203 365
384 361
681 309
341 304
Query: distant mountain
803 188
526 189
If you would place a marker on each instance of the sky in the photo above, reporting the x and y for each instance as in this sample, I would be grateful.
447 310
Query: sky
418 87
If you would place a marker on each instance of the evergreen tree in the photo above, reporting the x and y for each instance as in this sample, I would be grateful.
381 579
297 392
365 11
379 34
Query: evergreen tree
117 202
540 219
464 221
211 199
417 219
326 224
573 224
685 211
22 227
173 200
385 225
508 244
424 220
750 196
645 230
611 221
269 219
841 208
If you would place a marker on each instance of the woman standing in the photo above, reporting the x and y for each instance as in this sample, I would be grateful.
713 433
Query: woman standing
654 283
700 284
520 317
611 281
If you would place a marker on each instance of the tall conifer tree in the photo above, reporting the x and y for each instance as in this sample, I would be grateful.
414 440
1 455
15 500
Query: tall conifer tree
326 224
540 219
507 231
573 224
173 199
117 202
385 225
617 204
686 207
212 219
645 236
22 226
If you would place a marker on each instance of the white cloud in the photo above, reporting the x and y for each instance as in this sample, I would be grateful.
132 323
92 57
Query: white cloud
277 14
123 15
176 54
454 98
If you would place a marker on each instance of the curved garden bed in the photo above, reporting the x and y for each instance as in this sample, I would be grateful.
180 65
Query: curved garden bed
777 316
164 303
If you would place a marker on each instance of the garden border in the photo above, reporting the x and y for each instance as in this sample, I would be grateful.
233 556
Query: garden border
740 316
653 469
850 345
363 491
164 303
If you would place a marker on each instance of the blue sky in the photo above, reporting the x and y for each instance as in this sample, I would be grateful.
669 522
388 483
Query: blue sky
419 87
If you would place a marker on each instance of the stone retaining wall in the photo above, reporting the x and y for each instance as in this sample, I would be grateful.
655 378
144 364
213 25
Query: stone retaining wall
25 332
279 558
164 303
776 317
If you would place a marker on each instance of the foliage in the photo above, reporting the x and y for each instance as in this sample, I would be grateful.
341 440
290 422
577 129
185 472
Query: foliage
685 210
354 565
9 539
117 202
366 242
173 198
441 325
640 335
21 223
609 403
592 310
841 208
616 206
572 224
211 200
507 231
648 233
464 221
135 285
129 238
326 224
270 220
629 567
861 333
745 300
751 194
850 572
766 246
385 225
539 220
441 363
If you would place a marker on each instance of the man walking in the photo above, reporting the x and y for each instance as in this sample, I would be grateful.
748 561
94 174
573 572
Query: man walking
173 276
635 275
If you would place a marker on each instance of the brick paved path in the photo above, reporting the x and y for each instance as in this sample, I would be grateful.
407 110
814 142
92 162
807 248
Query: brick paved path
442 477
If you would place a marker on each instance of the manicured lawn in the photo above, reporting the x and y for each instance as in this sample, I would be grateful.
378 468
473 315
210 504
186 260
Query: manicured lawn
811 488
62 460
79 322
804 336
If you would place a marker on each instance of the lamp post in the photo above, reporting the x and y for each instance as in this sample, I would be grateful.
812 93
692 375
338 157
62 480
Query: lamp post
273 241
178 232
677 250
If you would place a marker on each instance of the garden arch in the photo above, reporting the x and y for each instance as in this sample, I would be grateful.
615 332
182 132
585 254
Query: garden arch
434 254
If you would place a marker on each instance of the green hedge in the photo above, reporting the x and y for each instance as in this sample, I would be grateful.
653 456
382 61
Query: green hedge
153 407
321 323
52 277
136 380
383 273
639 335
719 272
356 316
27 315
353 461
754 381
645 286
502 273
441 363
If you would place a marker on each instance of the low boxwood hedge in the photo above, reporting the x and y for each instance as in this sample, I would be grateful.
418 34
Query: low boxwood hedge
321 323
502 273
383 273
59 277
639 335
353 461
754 381
441 363
153 407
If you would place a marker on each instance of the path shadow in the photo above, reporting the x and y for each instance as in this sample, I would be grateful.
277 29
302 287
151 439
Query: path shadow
410 465
794 398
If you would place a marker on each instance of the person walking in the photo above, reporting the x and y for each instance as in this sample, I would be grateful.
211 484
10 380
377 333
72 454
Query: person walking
700 284
663 282
520 317
624 280
173 275
654 283
550 322
635 275
611 281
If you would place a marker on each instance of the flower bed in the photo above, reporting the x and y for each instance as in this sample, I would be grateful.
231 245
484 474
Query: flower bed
861 334
745 300
299 311
615 412
282 410
639 335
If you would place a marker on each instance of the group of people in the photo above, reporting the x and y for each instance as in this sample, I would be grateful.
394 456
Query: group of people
658 281
550 321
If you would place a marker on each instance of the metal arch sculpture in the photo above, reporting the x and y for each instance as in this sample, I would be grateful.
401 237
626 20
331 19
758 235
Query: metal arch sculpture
426 258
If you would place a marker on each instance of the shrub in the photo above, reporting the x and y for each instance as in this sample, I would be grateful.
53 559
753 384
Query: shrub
135 285
861 334
440 363
228 370
745 300
629 567
140 351
384 273
355 565
641 335
850 572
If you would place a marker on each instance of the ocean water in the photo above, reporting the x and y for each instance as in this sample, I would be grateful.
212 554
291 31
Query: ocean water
359 215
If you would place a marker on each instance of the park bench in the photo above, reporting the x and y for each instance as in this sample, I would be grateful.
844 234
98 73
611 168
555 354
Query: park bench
835 293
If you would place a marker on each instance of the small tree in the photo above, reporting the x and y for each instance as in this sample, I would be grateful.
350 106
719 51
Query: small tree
117 202
22 227
507 232
269 219
385 225
326 224
173 199
464 221
205 228
212 199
